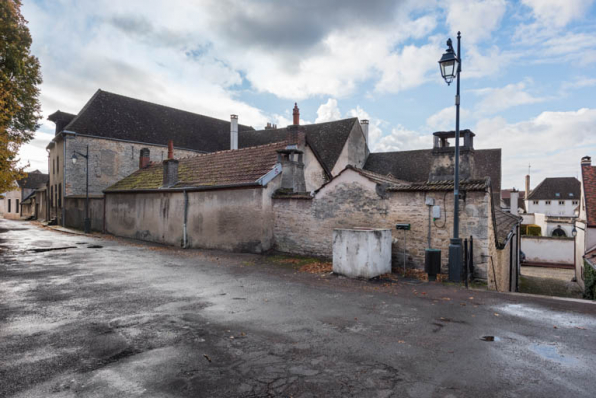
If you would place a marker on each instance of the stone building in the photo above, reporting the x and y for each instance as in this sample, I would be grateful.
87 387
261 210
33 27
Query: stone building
115 129
295 185
585 226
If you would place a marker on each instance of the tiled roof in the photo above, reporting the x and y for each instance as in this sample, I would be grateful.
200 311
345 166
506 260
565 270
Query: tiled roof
464 185
504 224
506 194
215 169
376 177
111 115
589 180
590 257
415 165
34 180
327 140
568 188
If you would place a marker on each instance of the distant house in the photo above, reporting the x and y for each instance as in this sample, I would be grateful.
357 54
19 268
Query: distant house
555 197
286 189
585 226
506 200
18 202
116 129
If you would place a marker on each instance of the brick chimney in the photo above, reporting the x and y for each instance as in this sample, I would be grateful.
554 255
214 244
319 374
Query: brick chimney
144 158
296 114
527 186
364 125
233 131
170 168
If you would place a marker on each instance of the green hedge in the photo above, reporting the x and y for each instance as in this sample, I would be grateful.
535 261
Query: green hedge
531 230
590 281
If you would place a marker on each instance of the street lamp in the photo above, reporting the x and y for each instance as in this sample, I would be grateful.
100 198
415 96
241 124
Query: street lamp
450 65
87 225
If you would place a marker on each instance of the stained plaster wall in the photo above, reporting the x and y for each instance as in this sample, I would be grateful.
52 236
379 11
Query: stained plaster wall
230 219
354 151
314 175
15 212
351 200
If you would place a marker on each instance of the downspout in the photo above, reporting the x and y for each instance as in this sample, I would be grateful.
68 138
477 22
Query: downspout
64 184
185 243
105 198
511 261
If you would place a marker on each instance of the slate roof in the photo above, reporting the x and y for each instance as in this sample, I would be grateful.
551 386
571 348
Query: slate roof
34 180
216 169
415 165
504 224
464 185
568 188
506 194
115 116
327 140
589 180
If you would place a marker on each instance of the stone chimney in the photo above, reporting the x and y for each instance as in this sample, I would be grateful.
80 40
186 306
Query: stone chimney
270 126
514 202
233 131
586 161
144 158
296 114
292 169
364 125
170 168
527 186
443 156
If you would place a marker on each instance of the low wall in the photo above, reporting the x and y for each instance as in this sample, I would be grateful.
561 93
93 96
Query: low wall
545 249
75 213
231 219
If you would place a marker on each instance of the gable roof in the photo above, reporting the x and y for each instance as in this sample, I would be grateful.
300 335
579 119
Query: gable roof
589 180
110 115
415 166
211 170
568 188
34 180
327 140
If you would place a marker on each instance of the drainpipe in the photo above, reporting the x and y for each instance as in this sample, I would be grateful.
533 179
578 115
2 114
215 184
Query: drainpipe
64 184
185 243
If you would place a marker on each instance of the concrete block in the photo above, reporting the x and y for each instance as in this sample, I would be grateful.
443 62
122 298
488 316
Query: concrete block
361 252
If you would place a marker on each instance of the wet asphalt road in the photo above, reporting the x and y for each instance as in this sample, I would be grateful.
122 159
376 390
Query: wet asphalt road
136 320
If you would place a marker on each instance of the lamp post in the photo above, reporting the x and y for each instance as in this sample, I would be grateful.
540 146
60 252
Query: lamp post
450 65
87 226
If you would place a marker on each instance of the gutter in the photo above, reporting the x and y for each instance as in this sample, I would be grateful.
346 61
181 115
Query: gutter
244 185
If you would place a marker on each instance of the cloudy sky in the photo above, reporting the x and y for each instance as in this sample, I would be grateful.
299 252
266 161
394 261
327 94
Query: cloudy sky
528 79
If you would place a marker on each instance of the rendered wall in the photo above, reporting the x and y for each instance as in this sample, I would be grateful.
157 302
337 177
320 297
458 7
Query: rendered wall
13 196
545 249
361 253
74 216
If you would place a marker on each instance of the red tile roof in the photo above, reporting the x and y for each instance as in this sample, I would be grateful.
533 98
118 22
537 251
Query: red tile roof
589 181
215 169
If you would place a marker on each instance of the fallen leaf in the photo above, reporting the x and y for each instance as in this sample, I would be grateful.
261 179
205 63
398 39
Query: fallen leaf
471 298
232 337
401 341
497 314
580 328
207 357
554 327
446 298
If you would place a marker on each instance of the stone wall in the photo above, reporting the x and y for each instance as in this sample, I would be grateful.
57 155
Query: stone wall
74 215
306 226
109 162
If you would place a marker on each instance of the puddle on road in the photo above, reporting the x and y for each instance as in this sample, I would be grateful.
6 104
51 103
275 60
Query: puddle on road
94 247
551 353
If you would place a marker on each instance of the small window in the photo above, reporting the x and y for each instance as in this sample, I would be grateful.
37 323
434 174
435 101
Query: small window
547 202
16 210
53 166
535 202
575 202
571 194
51 196
58 163
558 195
9 205
60 195
561 202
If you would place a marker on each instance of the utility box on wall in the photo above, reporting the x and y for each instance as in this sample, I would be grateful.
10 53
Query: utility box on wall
361 252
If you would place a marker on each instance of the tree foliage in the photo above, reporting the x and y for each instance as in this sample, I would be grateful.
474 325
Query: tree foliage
20 76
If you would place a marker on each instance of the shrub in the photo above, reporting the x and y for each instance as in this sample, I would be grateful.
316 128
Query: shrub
534 230
590 281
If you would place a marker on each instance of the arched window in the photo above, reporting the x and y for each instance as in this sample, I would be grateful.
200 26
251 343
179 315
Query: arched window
559 232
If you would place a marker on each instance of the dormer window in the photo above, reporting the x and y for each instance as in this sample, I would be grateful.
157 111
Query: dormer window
571 194
558 195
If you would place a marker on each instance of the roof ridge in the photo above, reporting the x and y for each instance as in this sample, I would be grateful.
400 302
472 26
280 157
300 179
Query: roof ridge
307 125
83 109
234 150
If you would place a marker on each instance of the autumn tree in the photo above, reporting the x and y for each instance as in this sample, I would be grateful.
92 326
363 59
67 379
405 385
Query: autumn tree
20 77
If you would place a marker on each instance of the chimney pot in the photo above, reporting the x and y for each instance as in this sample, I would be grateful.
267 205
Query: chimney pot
170 149
233 131
586 161
296 114
364 125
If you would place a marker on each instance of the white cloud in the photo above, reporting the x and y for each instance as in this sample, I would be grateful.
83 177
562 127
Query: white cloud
402 139
475 19
328 111
495 100
444 120
553 142
579 83
374 125
557 13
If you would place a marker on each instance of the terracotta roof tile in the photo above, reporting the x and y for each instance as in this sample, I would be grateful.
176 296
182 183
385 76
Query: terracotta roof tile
215 169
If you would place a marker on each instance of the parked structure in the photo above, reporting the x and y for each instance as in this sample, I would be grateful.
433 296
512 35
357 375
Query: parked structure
21 202
585 226
116 128
288 189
